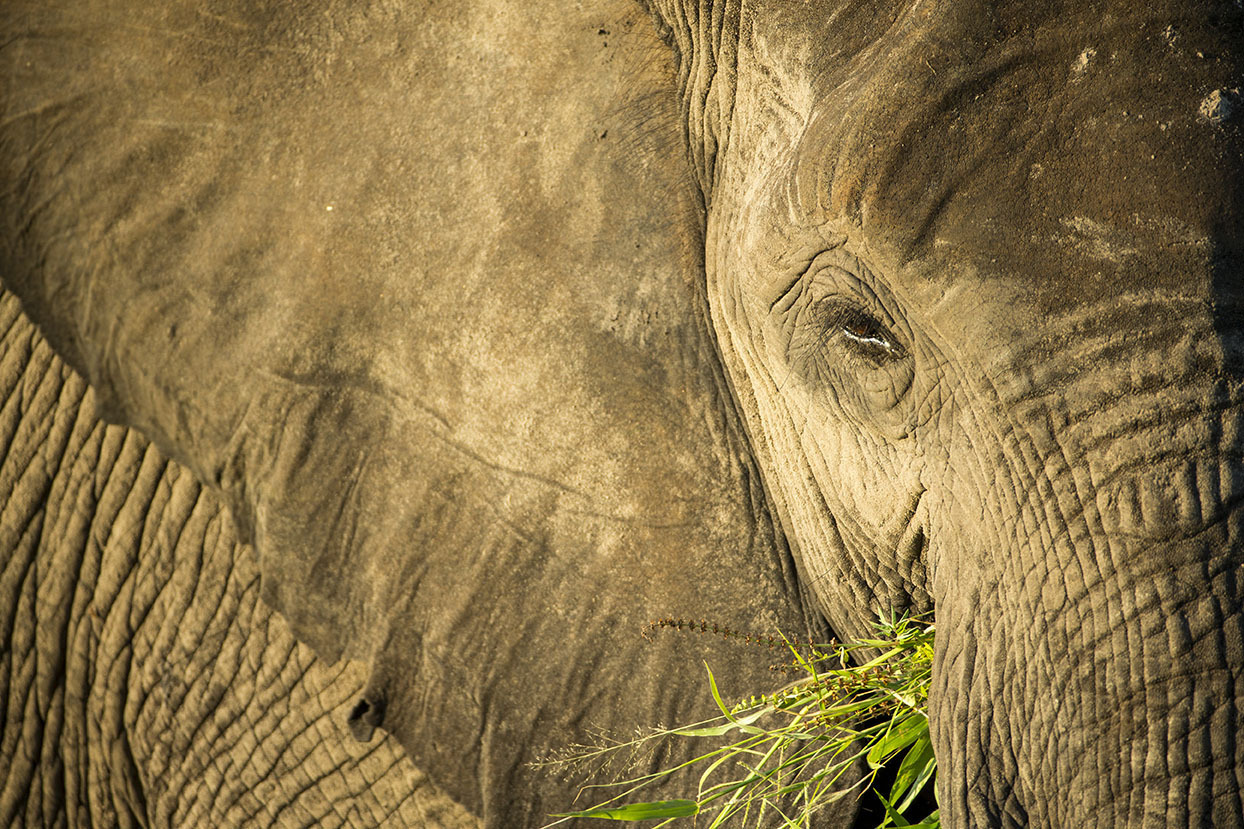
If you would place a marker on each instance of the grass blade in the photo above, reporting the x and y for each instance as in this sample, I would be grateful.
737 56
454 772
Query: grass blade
641 811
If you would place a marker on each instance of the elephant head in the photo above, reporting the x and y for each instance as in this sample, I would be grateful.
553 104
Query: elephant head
975 270
503 328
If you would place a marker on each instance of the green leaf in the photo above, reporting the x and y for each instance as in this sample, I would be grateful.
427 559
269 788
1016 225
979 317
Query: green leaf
718 730
712 684
880 660
902 735
915 770
641 811
726 727
893 818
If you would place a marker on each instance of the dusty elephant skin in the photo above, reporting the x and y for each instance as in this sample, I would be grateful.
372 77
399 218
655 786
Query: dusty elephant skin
501 328
144 682
416 292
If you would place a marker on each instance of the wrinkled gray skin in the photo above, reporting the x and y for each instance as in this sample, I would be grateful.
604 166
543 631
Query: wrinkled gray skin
501 328
144 682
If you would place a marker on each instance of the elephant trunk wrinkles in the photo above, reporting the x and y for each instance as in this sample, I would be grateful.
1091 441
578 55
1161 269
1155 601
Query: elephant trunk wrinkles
1091 676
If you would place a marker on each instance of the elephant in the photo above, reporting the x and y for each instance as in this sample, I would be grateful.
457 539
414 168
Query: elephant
382 368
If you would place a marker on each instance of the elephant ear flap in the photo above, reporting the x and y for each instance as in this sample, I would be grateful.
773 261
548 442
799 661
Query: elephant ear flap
316 485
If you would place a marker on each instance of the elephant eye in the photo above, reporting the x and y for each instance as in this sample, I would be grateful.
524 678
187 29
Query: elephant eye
866 334
865 330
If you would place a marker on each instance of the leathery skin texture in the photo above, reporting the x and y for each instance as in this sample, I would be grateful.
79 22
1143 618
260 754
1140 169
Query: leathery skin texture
502 328
416 291
145 683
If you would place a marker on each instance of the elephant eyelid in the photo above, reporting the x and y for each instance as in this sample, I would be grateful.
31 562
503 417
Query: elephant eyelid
865 336
861 329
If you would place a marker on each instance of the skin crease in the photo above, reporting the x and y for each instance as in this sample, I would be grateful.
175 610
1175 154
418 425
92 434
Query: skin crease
950 289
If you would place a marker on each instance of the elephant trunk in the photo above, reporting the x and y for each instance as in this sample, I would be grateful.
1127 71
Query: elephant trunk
1092 674
1114 705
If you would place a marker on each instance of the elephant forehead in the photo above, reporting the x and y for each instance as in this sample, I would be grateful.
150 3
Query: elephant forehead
1054 148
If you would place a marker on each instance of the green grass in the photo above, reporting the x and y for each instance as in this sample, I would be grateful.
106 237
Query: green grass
792 747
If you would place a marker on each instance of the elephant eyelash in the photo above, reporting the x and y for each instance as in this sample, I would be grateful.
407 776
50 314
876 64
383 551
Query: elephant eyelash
863 332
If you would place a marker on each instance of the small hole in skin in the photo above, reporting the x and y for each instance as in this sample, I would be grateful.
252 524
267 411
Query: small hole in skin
366 716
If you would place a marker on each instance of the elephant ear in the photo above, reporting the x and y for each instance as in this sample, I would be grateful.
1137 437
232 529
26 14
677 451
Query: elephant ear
418 293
